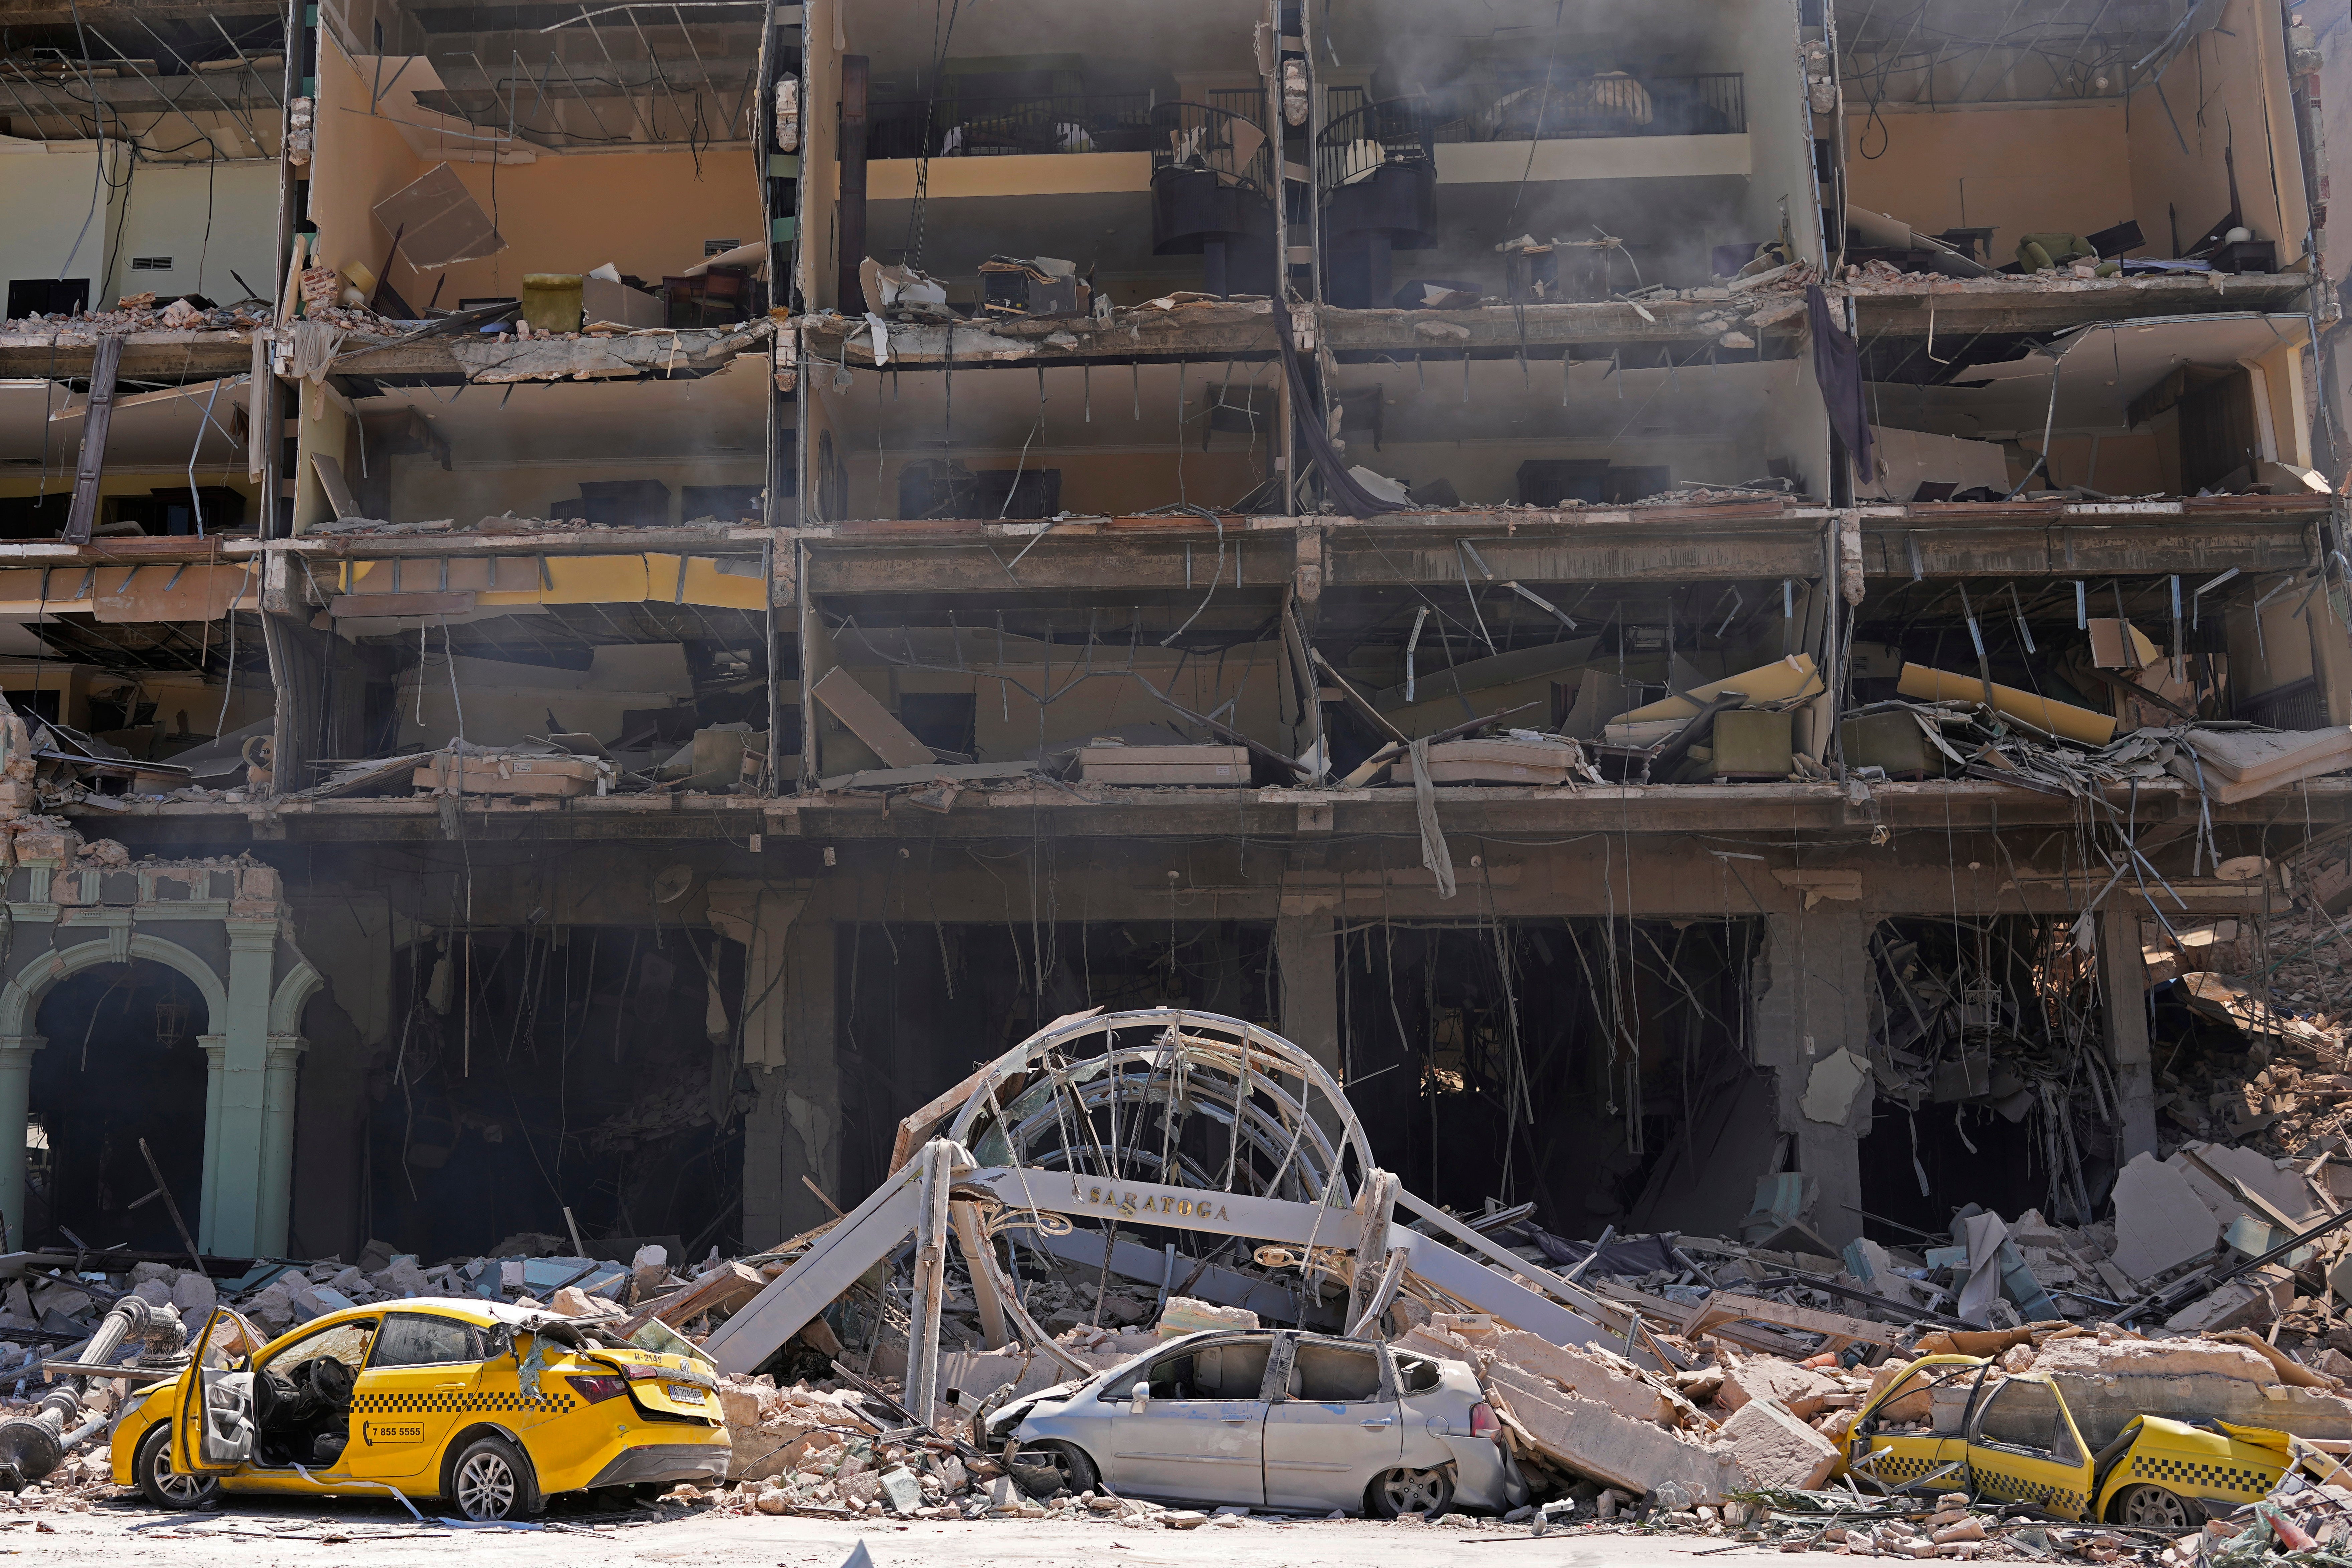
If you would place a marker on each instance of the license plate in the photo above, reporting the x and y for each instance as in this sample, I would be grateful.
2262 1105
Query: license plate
685 1393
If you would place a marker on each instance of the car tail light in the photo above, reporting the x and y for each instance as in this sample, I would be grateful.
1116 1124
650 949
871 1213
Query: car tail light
1483 1423
639 1372
596 1390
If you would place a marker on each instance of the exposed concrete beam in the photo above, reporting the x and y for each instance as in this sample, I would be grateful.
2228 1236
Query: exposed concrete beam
1961 308
1095 811
2254 533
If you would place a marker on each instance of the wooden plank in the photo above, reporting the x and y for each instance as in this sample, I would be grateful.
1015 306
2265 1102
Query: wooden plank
89 466
869 721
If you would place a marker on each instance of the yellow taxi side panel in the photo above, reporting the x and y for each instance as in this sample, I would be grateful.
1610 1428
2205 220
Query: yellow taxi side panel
2194 1463
155 1407
570 1441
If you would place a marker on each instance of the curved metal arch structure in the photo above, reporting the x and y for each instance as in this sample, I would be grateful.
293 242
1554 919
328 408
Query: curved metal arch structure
1169 1094
1142 1144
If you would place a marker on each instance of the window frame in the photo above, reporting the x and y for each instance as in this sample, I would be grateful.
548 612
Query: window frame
481 1336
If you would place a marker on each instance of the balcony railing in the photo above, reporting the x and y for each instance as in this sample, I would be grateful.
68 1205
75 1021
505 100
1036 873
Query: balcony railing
983 126
1226 141
1360 135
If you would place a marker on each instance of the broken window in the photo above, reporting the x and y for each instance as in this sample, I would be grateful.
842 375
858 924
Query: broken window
418 1339
2025 1416
1334 1373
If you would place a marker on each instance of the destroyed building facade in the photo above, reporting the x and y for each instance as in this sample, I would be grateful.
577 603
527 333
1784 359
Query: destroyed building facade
601 601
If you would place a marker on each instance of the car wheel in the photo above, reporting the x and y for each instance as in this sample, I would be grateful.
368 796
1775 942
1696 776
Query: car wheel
161 1485
1402 1492
491 1481
1043 1469
2147 1504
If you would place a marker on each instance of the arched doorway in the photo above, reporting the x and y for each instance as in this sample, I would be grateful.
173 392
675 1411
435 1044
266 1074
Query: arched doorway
122 1063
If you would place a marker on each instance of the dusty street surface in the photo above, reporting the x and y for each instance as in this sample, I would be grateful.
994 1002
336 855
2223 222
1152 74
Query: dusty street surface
381 1536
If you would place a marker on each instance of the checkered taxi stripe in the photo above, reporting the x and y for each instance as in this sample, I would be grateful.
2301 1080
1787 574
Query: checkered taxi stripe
1896 1468
2195 1475
2017 1489
437 1401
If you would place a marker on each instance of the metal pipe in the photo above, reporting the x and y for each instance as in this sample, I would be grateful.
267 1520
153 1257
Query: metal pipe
34 1444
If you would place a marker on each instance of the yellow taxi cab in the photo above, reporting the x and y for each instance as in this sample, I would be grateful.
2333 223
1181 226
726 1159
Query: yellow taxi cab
1954 1423
492 1408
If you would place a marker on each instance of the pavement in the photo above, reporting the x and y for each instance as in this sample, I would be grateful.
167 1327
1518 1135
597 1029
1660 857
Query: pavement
258 1534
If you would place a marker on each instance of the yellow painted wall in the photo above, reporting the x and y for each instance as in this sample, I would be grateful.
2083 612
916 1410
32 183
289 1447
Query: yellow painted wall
2061 168
646 212
2228 88
368 161
2144 462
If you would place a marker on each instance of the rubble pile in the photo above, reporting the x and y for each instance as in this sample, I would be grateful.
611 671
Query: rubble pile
138 313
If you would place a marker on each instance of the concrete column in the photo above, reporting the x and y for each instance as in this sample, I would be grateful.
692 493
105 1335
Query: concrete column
235 1152
1811 1005
795 1129
2123 994
1305 954
216 1050
277 1143
16 1106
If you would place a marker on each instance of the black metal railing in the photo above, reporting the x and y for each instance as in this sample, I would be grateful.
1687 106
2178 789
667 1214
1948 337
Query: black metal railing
1363 135
1613 105
961 127
1359 135
1228 142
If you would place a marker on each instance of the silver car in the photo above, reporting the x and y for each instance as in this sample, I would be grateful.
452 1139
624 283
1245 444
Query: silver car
1273 1419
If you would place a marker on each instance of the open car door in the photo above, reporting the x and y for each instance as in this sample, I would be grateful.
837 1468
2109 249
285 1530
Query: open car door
212 1431
1913 1433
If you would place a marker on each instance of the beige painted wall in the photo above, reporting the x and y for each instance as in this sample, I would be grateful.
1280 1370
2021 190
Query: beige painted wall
2063 168
646 212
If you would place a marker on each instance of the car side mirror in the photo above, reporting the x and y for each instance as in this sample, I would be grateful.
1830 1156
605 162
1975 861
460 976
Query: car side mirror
1137 1397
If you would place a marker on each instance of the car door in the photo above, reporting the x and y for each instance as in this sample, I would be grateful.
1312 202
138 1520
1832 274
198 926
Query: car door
211 1428
1916 1430
1201 1435
423 1376
1333 1425
2023 1447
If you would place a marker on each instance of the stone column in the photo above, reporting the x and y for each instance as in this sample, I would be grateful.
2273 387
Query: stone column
216 1050
234 1153
795 1129
1303 953
1811 1005
2123 996
277 1143
16 1106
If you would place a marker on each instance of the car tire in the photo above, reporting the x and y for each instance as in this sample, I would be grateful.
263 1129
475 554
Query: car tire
159 1484
1401 1492
490 1480
2149 1505
1070 1462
